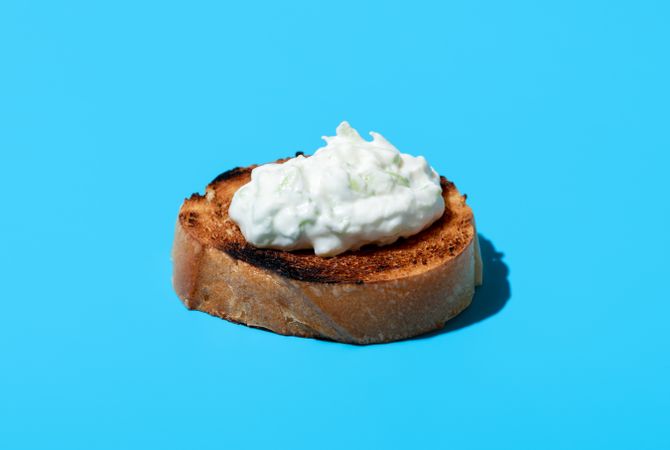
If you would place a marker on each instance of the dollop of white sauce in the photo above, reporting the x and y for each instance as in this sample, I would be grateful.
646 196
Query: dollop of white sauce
350 193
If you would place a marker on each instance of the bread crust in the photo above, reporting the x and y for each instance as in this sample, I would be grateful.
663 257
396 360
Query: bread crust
424 280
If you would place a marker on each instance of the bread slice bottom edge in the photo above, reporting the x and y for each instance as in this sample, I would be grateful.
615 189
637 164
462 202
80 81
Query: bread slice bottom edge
209 280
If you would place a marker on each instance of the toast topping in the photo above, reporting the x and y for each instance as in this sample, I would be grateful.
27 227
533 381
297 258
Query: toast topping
350 193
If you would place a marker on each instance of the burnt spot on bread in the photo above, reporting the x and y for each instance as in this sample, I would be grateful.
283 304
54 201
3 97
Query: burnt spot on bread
229 174
446 184
194 197
277 261
382 267
189 218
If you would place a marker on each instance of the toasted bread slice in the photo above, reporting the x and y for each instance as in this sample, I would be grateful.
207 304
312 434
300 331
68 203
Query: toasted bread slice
371 295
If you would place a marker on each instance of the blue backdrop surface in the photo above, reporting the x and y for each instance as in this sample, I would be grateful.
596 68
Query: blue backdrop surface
552 116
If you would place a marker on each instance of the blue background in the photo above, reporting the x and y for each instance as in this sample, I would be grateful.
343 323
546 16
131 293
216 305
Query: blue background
552 116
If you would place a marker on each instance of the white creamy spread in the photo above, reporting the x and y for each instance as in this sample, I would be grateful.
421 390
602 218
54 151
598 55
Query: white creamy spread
350 193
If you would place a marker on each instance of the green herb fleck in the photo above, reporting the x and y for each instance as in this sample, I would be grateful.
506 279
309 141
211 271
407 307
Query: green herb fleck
284 183
305 222
353 185
399 179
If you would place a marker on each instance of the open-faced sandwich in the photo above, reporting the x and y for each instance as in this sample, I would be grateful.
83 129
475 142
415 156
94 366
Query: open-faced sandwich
356 243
